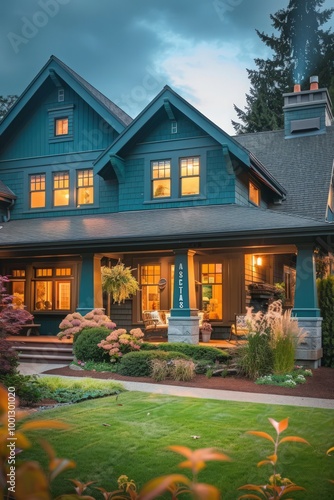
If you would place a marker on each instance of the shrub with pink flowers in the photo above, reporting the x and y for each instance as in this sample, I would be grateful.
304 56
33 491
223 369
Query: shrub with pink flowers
119 342
11 317
75 323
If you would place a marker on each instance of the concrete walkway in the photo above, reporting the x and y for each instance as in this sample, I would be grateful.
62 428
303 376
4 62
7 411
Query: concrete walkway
193 392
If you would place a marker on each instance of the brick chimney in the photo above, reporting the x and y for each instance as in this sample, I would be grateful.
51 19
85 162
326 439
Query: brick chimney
307 112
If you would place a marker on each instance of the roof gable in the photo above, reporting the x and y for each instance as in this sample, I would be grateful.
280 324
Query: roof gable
58 72
170 105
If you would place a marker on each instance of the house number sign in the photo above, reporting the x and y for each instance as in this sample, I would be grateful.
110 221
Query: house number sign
180 273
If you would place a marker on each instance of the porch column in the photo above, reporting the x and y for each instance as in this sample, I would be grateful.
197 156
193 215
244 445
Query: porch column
184 322
90 286
309 351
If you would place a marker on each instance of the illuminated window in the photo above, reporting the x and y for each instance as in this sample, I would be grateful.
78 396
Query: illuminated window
161 178
212 290
37 191
85 187
149 279
61 189
63 271
254 194
61 126
18 288
52 289
190 176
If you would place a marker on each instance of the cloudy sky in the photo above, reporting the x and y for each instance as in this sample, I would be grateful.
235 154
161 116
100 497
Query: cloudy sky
130 49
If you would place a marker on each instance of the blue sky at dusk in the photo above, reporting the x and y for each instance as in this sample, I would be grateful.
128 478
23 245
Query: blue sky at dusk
130 49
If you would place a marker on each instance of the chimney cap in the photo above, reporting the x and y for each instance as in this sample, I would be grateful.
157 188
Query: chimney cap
314 82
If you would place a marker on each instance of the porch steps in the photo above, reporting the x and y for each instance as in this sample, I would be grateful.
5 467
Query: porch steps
42 350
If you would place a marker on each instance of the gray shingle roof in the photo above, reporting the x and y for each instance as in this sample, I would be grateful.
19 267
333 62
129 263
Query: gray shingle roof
303 165
6 192
107 103
221 221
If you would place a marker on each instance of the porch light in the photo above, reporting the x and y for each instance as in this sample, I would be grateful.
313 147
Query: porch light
257 261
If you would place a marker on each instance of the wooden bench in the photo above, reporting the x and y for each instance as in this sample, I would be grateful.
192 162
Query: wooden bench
30 329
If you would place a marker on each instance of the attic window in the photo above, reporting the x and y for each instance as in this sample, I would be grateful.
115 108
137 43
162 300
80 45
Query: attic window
253 194
61 126
174 127
61 95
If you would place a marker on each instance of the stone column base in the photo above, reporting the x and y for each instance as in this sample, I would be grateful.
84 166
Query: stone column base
183 329
309 350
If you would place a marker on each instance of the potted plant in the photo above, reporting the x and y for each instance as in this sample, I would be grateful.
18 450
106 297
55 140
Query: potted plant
119 282
206 330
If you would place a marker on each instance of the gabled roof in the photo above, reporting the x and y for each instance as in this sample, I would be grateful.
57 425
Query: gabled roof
303 165
150 229
168 98
55 69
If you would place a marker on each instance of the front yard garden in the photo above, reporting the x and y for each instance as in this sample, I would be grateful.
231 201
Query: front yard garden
129 434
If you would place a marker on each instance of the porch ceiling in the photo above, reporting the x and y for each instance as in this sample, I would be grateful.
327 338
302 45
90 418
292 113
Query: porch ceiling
199 227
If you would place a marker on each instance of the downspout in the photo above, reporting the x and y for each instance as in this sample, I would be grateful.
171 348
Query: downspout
6 218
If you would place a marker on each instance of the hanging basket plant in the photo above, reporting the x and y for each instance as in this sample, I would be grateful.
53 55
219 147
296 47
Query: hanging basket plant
119 282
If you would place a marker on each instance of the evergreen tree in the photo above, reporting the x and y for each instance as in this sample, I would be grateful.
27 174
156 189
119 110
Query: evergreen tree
6 102
301 49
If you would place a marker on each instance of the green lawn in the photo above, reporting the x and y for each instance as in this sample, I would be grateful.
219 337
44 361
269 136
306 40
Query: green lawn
142 425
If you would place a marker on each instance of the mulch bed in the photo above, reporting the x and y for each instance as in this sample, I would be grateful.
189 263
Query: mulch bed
320 385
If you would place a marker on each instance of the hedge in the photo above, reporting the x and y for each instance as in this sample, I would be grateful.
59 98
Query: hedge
85 347
138 364
196 352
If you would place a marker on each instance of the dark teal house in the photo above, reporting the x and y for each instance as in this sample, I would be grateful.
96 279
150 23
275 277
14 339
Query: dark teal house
169 194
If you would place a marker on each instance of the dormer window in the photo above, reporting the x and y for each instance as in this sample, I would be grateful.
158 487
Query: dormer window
189 176
161 178
61 126
253 194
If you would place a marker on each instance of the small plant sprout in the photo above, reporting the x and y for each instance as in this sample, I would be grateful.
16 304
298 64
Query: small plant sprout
196 461
277 486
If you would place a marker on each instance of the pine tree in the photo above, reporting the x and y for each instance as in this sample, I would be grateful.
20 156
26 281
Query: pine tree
301 49
6 102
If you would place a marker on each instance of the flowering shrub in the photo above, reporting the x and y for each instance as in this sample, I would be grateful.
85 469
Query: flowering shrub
119 342
11 318
287 380
75 322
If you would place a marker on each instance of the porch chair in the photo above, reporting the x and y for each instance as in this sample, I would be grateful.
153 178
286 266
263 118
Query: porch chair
239 328
155 325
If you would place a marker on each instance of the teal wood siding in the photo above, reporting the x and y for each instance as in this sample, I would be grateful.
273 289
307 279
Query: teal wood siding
163 130
90 132
30 151
131 192
217 177
220 182
241 193
217 183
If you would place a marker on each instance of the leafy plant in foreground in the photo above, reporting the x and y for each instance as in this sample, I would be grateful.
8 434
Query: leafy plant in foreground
277 486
